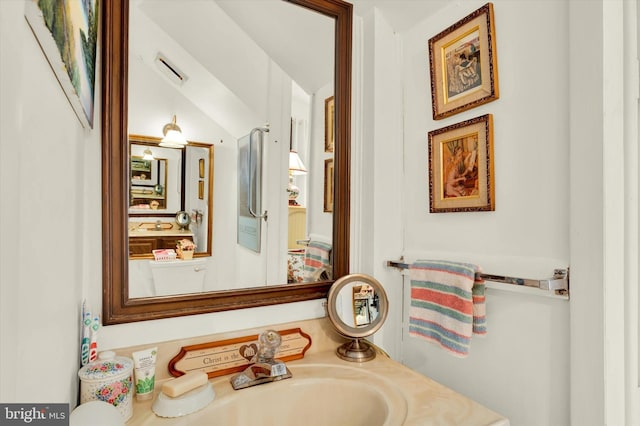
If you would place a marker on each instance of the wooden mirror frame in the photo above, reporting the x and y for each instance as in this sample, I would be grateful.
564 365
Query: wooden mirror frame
117 307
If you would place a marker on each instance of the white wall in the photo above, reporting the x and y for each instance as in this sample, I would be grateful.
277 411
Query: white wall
378 170
604 218
50 220
565 167
521 368
587 248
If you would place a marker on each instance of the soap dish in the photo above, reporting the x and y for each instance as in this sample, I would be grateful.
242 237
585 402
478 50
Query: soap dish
190 402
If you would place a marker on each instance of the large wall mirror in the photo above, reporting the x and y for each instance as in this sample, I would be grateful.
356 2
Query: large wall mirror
256 81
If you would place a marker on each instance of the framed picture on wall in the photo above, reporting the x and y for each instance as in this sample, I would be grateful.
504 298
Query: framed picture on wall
328 185
67 32
464 64
329 132
461 167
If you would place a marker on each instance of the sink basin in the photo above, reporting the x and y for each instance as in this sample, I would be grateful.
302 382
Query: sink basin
317 394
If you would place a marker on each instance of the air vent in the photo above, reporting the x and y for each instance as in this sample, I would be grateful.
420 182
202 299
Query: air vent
172 72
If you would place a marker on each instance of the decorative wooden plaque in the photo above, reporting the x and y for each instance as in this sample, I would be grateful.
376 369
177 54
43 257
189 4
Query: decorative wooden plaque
233 355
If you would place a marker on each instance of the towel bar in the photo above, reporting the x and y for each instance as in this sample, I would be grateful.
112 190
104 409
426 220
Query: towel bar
558 284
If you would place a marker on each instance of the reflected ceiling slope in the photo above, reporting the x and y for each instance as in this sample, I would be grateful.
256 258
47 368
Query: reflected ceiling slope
299 41
148 39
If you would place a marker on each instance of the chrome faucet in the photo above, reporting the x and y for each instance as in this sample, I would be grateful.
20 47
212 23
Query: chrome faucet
264 367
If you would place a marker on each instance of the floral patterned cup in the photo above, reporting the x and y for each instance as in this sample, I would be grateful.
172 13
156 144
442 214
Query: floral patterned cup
110 379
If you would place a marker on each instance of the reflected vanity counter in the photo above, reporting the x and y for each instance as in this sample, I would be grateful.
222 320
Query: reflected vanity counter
144 237
377 392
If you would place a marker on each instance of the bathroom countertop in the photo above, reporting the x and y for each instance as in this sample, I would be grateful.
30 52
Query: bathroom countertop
428 402
147 229
163 233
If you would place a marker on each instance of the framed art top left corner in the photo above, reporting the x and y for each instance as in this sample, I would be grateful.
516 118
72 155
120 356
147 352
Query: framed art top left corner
67 32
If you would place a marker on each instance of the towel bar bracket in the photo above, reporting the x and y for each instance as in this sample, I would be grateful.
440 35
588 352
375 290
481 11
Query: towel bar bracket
558 284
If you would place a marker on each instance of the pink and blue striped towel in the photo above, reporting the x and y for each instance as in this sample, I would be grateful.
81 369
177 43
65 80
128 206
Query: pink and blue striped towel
447 304
317 261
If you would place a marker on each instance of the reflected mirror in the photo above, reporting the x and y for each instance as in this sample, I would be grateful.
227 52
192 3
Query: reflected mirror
170 199
357 306
148 181
152 73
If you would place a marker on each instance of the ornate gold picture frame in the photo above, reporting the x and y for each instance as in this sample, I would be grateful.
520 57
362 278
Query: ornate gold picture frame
329 133
328 185
461 167
464 64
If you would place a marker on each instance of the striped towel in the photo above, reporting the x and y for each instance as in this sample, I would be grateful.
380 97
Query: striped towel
447 304
317 260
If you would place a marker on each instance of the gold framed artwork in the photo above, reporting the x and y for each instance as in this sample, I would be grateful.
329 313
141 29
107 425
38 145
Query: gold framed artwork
461 167
464 64
201 168
328 185
329 132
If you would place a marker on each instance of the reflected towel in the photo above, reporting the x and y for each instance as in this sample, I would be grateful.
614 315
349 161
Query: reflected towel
447 304
317 260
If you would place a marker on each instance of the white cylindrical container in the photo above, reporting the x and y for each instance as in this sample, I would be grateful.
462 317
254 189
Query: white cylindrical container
95 413
109 379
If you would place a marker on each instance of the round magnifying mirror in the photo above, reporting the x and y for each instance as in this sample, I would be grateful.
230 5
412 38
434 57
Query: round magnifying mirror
357 306
183 220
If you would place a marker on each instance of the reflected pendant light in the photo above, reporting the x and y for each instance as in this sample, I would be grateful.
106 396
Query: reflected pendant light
147 154
173 137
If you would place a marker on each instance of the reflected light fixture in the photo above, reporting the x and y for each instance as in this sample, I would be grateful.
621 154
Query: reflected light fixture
296 168
173 137
147 154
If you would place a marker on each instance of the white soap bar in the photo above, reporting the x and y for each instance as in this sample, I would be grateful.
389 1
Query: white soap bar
179 385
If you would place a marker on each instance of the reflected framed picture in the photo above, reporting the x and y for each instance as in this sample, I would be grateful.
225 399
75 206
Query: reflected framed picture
328 185
201 168
464 65
329 127
201 189
461 175
361 312
67 32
